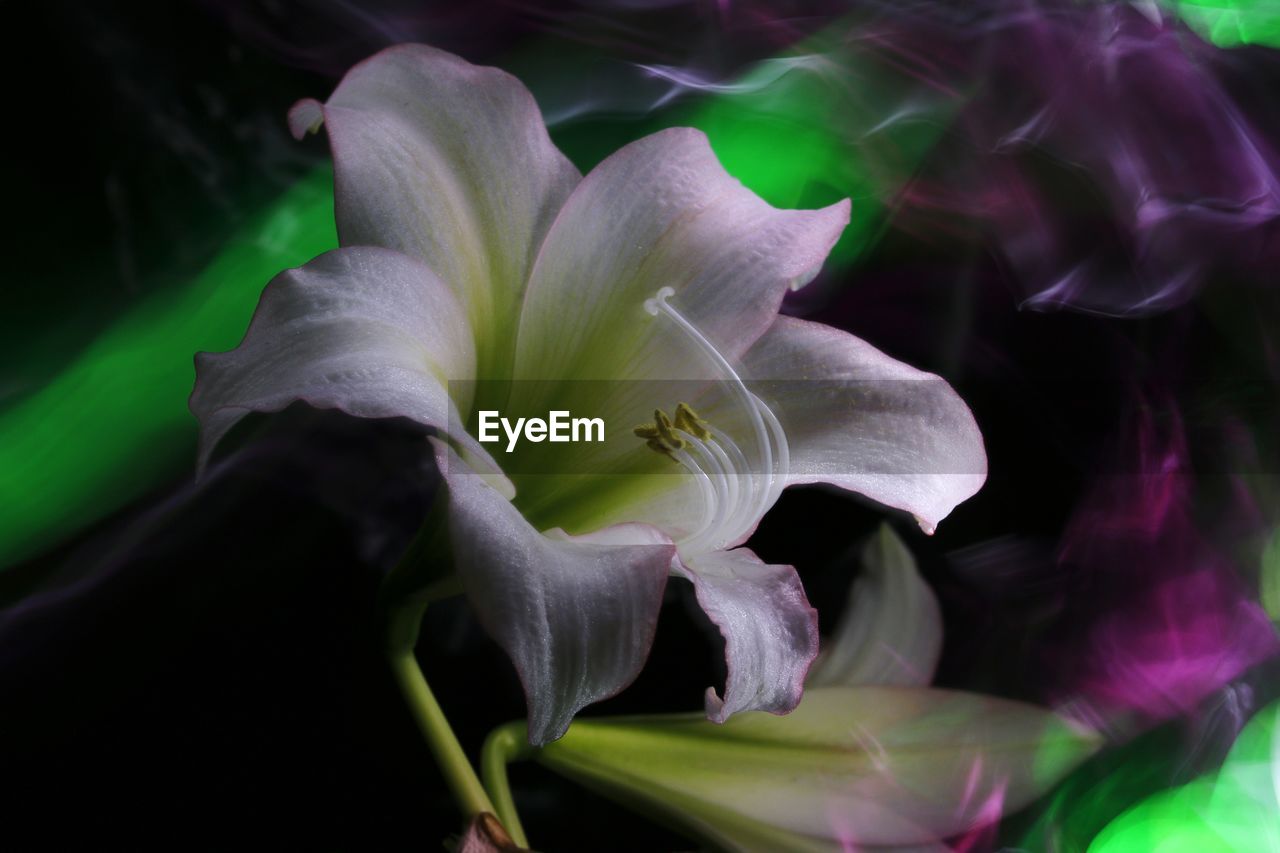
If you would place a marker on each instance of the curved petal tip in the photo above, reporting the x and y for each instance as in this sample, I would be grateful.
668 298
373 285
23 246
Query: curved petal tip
305 117
769 628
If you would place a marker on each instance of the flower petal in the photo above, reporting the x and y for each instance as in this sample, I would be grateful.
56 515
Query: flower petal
891 632
576 616
674 219
864 421
661 212
449 162
770 631
369 331
850 767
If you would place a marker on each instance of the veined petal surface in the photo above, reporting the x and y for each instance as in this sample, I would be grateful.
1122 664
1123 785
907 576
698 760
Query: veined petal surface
449 162
770 631
369 331
861 420
575 616
662 212
660 221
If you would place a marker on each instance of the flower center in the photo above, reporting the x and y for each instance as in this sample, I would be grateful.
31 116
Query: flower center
738 483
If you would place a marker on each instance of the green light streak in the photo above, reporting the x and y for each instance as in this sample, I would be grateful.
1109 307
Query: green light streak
1231 23
1237 808
115 421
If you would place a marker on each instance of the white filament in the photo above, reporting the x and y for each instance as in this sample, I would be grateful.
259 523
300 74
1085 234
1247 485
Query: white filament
735 494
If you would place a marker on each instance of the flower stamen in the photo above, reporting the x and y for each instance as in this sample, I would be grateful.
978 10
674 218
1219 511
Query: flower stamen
688 421
735 492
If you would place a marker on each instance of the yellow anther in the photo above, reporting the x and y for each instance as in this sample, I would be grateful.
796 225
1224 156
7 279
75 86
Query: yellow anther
657 445
663 435
666 433
688 421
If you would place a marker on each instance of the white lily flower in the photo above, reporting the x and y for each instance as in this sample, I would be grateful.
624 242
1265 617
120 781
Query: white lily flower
480 271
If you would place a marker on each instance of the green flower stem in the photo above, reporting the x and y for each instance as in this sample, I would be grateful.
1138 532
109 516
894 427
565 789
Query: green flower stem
505 744
420 578
458 773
